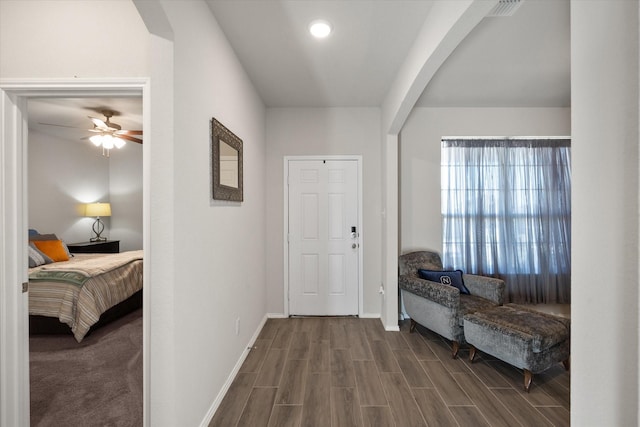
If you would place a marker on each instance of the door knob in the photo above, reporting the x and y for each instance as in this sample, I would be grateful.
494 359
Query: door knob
353 245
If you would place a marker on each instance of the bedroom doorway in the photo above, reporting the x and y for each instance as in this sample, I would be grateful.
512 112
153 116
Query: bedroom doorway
67 175
14 97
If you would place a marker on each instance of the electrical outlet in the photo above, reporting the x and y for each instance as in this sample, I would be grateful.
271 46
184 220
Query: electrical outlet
238 326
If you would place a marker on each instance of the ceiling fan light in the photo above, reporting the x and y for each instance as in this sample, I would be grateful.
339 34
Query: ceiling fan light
108 135
96 140
107 142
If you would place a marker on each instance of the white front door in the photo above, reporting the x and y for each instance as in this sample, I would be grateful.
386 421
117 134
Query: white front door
323 237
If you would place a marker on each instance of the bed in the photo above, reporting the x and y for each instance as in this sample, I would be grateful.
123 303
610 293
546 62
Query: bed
79 291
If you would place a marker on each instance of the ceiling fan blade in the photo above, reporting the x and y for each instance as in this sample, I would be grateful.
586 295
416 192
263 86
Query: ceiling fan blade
128 132
98 123
130 138
61 126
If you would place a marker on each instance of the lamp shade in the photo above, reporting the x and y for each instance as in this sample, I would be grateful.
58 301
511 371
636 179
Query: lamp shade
97 209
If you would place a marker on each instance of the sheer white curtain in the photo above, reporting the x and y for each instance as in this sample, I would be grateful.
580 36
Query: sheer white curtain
506 207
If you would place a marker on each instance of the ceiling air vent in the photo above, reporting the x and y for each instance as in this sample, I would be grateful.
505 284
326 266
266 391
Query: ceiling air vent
505 8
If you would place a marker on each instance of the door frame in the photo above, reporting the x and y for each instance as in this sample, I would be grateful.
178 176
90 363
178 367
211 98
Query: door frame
285 233
14 326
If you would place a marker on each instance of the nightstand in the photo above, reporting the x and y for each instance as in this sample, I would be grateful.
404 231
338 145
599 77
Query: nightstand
103 247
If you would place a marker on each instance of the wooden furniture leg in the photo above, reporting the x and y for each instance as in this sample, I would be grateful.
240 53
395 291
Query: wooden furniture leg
456 347
487 330
528 377
472 353
412 327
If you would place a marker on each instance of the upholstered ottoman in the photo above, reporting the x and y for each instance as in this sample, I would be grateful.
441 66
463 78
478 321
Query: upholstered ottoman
520 336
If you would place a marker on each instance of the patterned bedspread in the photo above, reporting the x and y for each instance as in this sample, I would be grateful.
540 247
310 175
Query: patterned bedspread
78 291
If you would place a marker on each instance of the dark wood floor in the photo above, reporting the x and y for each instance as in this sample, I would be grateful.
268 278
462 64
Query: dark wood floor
351 372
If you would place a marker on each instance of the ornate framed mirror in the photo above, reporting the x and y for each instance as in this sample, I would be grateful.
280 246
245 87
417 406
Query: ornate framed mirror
226 149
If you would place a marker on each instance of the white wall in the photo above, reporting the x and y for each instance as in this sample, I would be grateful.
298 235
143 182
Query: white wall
64 175
125 195
604 122
446 25
323 131
420 146
91 38
219 246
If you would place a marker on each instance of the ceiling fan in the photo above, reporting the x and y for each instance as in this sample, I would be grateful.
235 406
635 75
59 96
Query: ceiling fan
109 134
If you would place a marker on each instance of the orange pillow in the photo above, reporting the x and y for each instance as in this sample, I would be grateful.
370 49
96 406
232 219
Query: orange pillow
53 249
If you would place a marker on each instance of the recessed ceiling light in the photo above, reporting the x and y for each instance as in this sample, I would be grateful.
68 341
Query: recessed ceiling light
320 28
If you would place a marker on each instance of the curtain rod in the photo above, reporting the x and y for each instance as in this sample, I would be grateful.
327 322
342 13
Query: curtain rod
520 142
505 137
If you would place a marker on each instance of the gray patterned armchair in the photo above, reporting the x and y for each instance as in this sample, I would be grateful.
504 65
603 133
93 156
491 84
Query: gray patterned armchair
439 307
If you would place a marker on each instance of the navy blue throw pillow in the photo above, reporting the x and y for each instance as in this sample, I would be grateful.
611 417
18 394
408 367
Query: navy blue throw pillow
451 278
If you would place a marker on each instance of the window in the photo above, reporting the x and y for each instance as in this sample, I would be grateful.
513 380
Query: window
506 207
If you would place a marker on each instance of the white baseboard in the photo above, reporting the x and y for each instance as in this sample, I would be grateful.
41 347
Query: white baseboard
370 316
377 316
362 316
216 403
276 316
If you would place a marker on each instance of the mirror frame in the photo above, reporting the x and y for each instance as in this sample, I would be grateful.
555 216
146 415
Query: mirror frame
219 191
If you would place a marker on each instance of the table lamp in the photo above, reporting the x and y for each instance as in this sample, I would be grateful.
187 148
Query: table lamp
98 210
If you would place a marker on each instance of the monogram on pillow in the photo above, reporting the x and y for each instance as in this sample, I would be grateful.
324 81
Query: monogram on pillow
448 278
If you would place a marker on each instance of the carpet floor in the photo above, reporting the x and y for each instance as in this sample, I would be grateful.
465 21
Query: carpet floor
97 382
